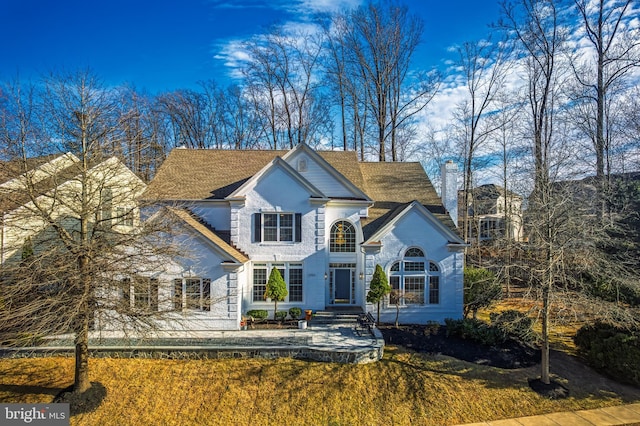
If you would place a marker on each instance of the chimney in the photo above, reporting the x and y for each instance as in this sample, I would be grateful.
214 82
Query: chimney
449 189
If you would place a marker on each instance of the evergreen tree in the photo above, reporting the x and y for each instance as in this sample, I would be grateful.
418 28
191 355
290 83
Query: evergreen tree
276 289
378 288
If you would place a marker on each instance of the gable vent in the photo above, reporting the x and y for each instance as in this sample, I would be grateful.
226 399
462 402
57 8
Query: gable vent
302 164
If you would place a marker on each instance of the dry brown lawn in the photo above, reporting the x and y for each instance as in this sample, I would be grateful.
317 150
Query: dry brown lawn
405 388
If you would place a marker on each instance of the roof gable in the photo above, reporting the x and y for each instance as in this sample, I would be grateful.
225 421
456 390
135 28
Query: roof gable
396 215
322 174
276 163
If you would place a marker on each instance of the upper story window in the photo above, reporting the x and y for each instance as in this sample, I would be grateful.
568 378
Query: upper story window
342 238
277 227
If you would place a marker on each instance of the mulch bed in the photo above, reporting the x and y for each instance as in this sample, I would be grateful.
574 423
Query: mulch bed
434 340
272 325
84 402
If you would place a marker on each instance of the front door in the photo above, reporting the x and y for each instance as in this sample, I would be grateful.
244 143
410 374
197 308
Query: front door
342 279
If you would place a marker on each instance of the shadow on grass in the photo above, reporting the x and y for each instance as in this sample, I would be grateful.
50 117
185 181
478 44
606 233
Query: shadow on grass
583 382
28 390
42 378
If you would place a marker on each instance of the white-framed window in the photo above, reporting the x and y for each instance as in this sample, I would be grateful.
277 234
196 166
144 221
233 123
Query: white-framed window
409 277
192 293
342 238
124 216
277 227
491 228
292 273
106 206
140 293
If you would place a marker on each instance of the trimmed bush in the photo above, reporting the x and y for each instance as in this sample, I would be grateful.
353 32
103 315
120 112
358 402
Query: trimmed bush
258 314
280 315
295 312
611 350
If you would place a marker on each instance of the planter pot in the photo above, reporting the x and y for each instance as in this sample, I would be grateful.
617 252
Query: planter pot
307 314
302 324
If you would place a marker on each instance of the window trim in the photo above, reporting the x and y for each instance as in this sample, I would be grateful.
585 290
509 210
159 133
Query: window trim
285 267
349 235
259 227
430 274
129 290
180 295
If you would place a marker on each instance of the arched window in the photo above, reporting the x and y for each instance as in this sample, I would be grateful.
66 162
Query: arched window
408 278
414 252
343 238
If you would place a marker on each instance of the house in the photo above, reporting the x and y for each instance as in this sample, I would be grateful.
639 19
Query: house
322 218
44 188
493 212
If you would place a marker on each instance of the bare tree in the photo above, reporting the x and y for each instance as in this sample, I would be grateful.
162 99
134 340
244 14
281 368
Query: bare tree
192 118
281 76
536 26
614 51
484 64
71 228
381 38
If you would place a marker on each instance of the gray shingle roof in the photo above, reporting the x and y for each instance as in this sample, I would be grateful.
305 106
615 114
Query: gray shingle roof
191 174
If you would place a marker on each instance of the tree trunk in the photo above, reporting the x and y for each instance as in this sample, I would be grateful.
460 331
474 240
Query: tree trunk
81 381
544 362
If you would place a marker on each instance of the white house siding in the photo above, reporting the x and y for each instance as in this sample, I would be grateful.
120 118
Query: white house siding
277 191
216 213
202 261
318 176
414 230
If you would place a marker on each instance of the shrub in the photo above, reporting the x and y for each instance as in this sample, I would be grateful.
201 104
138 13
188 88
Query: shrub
258 314
480 290
280 315
295 312
431 327
612 350
514 324
476 330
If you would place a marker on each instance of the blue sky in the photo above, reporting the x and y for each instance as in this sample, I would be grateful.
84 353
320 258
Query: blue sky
165 45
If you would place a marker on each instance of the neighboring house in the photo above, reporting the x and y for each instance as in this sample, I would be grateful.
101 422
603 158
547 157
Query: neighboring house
493 213
323 219
53 182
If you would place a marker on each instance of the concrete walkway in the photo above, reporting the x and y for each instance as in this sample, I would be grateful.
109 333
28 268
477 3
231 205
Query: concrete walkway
343 342
618 415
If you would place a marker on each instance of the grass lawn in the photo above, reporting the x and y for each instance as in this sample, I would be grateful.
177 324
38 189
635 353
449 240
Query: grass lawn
404 388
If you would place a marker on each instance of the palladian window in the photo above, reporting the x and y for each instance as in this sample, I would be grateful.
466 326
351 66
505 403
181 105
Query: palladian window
409 278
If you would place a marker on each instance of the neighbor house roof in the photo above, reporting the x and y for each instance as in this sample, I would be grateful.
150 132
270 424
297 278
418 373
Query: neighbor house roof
13 168
492 192
202 174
